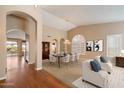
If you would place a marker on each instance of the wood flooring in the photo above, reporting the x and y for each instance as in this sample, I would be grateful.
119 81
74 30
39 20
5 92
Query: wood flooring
23 75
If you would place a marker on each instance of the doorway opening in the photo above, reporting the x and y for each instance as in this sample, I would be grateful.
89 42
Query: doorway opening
21 39
46 50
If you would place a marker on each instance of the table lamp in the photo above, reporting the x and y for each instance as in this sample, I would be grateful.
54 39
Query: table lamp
122 53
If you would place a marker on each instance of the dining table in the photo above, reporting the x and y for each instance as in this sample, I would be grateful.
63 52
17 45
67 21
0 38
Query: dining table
59 56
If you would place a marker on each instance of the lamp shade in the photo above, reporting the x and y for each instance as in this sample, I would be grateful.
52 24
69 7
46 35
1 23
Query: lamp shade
122 51
67 42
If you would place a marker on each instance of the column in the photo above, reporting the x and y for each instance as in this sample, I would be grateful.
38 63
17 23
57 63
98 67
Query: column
39 31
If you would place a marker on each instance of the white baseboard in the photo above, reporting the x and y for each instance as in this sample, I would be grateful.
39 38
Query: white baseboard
3 78
30 63
40 68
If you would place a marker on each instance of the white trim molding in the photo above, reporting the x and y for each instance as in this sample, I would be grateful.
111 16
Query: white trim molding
3 78
40 68
30 63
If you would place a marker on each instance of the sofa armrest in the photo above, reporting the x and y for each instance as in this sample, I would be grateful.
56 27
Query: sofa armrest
107 66
103 74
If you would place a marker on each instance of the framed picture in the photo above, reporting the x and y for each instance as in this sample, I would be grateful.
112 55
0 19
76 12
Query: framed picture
98 45
89 46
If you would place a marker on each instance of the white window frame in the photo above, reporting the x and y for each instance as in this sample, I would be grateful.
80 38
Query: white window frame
81 49
121 44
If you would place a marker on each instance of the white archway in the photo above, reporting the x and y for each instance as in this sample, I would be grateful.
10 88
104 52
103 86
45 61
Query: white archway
78 44
62 45
35 13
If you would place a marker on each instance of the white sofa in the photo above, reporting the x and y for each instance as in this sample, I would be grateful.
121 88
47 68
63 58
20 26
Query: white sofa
99 79
105 66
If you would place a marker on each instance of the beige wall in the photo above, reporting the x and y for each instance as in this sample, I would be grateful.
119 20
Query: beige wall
54 34
96 32
14 22
15 26
3 60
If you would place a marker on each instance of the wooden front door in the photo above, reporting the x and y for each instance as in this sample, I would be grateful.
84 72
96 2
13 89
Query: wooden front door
46 50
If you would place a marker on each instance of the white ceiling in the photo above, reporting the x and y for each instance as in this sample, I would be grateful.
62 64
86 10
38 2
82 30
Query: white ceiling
77 15
56 22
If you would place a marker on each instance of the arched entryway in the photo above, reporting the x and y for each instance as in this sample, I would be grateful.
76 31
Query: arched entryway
21 28
26 12
62 45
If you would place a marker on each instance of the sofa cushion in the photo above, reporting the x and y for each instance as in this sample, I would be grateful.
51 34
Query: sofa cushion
95 66
98 58
103 59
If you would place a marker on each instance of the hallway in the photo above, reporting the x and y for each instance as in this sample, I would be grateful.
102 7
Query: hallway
22 75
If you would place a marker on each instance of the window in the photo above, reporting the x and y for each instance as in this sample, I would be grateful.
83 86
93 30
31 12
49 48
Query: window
114 45
11 48
78 44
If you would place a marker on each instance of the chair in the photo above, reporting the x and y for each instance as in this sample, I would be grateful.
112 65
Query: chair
66 58
73 57
99 79
52 58
105 66
77 56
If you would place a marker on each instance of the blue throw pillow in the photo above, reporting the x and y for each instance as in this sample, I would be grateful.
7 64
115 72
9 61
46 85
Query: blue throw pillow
95 66
103 59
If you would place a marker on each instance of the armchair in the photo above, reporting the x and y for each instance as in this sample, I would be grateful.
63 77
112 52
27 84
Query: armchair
78 56
66 58
73 57
99 79
52 58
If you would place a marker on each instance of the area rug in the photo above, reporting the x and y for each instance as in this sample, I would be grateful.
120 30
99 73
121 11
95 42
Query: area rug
116 80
